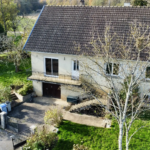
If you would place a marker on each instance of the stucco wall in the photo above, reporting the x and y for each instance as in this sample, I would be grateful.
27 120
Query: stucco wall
69 91
65 68
65 62
38 88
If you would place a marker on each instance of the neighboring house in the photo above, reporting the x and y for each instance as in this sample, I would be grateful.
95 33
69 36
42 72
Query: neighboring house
60 30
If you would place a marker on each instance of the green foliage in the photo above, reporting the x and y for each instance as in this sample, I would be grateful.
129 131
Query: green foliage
100 138
108 116
28 6
25 22
1 29
8 15
99 2
40 141
4 94
79 147
8 76
25 89
140 3
92 137
53 116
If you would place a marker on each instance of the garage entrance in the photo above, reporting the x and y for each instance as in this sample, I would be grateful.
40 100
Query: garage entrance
51 90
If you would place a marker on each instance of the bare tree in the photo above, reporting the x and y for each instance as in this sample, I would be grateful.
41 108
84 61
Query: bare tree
14 44
114 64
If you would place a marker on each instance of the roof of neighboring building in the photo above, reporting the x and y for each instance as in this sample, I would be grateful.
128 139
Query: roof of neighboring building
61 29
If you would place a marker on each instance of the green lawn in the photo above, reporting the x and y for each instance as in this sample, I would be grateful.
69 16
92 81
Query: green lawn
99 138
26 22
8 75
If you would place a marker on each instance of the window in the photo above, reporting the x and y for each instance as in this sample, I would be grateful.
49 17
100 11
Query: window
112 69
51 65
148 72
76 65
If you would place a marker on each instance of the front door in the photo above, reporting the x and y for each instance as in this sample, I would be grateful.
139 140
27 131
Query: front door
51 90
75 69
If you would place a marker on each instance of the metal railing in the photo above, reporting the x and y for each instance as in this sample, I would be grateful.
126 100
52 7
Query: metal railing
54 75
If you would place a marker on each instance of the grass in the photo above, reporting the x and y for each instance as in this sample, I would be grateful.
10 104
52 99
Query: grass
8 75
100 138
26 22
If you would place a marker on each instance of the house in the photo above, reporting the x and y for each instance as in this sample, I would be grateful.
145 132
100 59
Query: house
59 30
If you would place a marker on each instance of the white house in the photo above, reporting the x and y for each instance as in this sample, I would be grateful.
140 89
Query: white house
59 30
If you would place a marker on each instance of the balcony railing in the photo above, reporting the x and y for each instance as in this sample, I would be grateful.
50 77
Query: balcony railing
56 78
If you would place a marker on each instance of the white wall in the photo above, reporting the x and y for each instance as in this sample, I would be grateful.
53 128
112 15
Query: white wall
69 91
65 68
38 88
65 62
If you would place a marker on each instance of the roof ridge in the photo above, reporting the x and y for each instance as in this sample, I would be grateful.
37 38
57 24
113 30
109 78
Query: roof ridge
97 6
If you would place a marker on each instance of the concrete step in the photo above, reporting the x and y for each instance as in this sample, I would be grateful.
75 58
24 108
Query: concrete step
18 137
13 97
87 104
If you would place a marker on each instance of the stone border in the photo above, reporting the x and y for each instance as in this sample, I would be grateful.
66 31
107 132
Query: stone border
87 120
23 98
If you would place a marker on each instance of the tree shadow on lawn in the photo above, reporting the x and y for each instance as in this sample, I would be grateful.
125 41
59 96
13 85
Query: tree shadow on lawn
64 145
145 115
76 128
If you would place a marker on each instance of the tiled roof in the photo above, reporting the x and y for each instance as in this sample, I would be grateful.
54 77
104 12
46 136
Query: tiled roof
60 29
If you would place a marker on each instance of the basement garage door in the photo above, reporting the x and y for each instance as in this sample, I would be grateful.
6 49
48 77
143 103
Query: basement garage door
51 90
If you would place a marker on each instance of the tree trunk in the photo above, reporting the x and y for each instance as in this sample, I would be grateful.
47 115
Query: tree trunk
16 68
120 135
127 144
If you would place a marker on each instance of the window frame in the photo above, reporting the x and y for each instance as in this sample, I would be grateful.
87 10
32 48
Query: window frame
56 76
77 65
145 73
112 69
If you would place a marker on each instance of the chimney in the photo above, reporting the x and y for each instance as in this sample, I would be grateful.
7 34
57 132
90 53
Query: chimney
82 2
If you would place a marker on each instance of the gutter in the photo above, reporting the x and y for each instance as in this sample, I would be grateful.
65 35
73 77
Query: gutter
33 27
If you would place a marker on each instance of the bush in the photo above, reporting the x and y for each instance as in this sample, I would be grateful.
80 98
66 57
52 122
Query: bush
5 93
140 3
108 116
25 89
79 147
53 116
40 141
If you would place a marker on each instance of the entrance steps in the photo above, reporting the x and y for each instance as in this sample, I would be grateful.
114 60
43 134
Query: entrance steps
13 97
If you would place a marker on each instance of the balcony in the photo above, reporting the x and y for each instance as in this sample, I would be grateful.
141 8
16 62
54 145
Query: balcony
63 79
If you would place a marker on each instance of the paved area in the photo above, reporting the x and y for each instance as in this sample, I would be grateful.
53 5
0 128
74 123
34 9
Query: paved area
6 145
30 114
86 120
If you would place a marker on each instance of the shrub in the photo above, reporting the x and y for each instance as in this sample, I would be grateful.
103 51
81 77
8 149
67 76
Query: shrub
40 141
53 116
139 3
79 147
5 93
25 89
108 116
